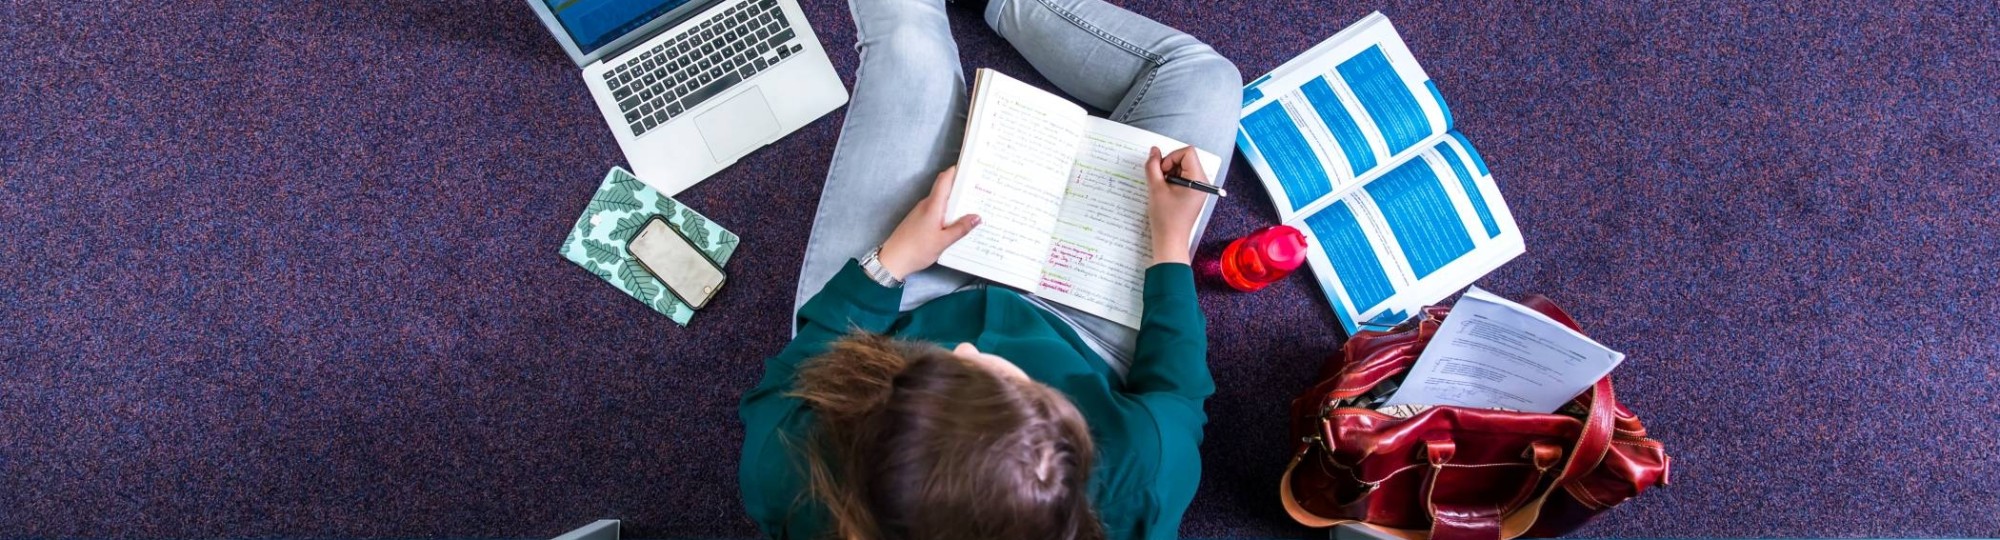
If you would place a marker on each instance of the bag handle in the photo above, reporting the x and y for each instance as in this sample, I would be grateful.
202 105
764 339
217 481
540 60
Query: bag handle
1598 428
1595 442
1462 509
1305 517
1460 520
1512 525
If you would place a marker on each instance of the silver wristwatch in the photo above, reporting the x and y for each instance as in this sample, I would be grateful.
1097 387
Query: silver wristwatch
871 264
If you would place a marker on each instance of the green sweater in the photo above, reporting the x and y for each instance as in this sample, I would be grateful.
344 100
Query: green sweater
1147 429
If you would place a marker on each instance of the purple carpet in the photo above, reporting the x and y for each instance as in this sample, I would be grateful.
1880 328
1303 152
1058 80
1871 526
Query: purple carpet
290 271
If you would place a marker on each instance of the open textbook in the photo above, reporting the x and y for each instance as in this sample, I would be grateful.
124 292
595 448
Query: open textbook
1359 152
1062 198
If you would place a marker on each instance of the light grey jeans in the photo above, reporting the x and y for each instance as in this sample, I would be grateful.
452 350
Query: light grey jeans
908 113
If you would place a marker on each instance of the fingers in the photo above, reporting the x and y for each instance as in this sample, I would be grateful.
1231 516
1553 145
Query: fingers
1187 162
958 229
1154 173
944 180
941 190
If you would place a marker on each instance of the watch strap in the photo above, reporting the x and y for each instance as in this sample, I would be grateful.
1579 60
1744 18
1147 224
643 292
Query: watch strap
871 264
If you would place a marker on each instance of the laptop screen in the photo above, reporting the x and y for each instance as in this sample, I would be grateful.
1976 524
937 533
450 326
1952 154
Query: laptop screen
595 23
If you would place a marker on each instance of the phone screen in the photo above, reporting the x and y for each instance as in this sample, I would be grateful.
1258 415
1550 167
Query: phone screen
686 271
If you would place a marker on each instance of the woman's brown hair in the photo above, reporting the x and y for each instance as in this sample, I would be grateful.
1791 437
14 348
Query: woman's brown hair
916 443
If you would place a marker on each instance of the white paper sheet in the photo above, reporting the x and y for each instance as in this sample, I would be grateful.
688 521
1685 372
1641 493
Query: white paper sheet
1493 353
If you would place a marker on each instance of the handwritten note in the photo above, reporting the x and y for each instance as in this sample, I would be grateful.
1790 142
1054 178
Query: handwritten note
1062 196
1103 238
1011 173
1102 241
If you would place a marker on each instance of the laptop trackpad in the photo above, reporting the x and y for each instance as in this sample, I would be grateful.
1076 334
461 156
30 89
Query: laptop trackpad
737 125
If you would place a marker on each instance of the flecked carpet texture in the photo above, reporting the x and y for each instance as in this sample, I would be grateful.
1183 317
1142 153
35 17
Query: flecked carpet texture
288 270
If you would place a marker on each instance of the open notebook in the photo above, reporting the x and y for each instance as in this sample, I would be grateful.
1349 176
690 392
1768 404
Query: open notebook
1358 150
1062 196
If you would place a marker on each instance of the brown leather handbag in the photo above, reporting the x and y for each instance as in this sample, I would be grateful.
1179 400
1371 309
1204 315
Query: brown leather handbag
1450 473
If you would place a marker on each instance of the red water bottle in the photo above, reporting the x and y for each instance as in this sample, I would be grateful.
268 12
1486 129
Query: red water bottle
1263 257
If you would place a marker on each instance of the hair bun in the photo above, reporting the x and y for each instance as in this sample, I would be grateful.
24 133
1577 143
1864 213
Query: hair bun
854 377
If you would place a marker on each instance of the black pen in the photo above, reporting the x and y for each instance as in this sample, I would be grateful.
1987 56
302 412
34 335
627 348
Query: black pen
1197 185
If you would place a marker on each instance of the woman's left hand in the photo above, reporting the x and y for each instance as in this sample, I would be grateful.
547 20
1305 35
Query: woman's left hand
923 235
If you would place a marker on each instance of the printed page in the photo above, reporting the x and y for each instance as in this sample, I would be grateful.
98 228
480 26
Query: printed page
1496 354
1409 237
1103 243
1012 169
1357 148
1338 114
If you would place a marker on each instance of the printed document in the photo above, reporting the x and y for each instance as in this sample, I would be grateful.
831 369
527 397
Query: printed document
1358 150
1493 353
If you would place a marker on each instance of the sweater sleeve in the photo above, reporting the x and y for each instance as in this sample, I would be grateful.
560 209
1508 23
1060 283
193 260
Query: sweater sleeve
849 302
1172 356
1169 380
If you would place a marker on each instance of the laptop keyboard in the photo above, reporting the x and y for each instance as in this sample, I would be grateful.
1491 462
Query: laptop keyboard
670 79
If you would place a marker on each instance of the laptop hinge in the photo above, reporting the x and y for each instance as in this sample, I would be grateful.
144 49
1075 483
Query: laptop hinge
689 14
622 49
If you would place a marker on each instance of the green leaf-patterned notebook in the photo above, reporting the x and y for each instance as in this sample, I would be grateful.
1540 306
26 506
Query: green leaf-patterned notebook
622 204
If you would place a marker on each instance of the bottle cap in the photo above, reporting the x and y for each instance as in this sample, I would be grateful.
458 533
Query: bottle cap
1285 248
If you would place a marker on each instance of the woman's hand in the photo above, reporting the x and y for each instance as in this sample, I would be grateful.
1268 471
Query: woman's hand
1172 210
923 235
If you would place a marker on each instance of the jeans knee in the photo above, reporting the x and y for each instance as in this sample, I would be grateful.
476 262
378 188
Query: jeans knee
913 32
1209 82
880 15
1200 63
911 41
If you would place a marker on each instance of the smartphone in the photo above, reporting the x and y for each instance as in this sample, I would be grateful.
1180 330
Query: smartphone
667 254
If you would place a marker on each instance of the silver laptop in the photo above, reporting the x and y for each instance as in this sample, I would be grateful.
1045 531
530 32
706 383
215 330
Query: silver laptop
690 86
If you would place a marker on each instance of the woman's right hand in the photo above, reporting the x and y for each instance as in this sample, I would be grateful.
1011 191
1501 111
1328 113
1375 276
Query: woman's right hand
923 235
1172 210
